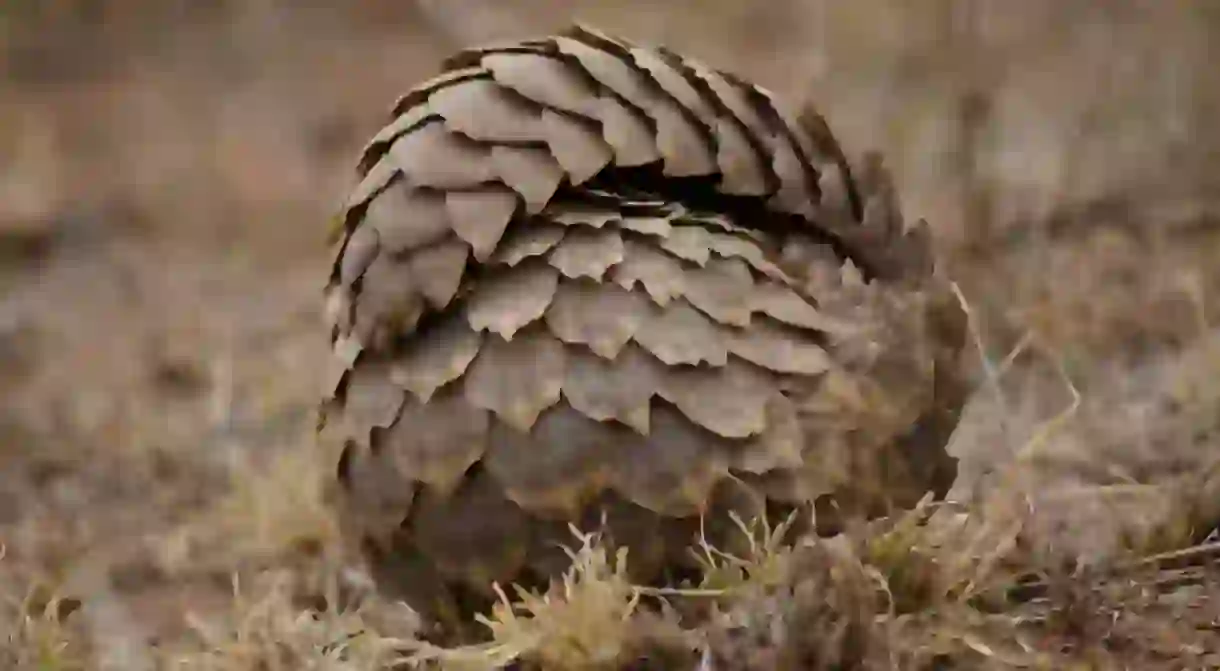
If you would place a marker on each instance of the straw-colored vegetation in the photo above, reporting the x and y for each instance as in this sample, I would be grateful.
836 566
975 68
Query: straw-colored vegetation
166 174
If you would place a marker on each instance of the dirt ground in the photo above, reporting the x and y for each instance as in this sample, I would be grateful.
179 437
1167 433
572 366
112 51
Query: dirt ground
168 171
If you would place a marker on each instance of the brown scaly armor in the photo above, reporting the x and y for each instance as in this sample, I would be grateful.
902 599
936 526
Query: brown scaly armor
585 281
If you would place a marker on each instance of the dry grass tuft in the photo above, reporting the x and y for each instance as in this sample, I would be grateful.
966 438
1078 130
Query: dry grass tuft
586 620
269 630
272 513
819 614
944 586
35 629
941 587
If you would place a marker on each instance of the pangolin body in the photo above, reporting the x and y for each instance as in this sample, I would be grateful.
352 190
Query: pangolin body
584 281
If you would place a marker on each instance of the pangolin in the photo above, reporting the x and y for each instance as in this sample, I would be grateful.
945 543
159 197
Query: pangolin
586 282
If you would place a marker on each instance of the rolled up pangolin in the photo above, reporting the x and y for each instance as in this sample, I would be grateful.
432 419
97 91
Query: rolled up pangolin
582 281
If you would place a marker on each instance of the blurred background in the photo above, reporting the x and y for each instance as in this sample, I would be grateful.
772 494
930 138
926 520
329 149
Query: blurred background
168 170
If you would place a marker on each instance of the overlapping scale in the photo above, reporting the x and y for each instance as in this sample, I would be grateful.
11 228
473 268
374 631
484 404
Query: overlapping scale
601 317
530 318
512 298
436 441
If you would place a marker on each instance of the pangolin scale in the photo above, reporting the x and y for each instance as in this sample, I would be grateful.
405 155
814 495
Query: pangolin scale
585 281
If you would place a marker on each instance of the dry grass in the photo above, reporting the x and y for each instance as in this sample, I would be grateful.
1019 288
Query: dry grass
166 174
944 586
36 634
